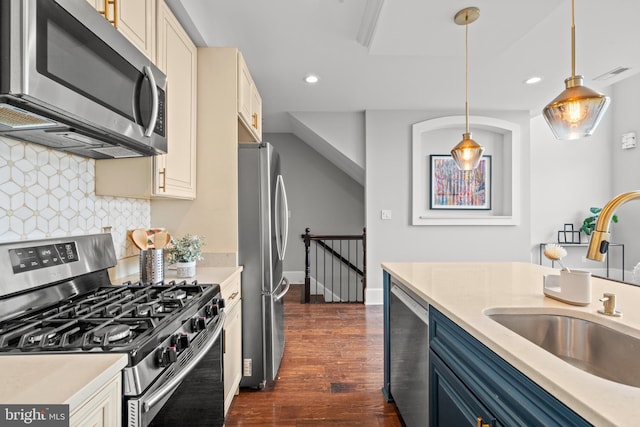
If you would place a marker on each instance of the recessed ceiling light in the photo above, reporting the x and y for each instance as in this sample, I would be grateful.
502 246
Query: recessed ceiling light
533 80
311 79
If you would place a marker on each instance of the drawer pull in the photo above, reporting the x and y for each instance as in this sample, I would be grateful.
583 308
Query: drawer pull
163 172
105 12
233 296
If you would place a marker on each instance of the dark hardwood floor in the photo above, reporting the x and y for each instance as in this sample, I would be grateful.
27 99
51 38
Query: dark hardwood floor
331 373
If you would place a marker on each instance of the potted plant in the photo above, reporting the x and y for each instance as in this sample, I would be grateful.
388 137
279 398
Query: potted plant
184 252
589 223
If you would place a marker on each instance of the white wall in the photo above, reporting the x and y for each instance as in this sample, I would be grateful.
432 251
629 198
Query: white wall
625 106
388 186
345 131
567 178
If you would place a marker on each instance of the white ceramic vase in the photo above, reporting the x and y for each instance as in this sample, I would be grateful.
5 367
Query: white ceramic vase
186 269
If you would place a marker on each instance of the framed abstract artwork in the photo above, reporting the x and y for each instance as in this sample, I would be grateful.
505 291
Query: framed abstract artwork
452 188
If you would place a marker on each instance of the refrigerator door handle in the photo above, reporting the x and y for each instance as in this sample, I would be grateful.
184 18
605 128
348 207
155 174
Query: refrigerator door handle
282 218
279 296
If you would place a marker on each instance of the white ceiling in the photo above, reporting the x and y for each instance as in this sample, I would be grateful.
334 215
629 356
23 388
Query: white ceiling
409 54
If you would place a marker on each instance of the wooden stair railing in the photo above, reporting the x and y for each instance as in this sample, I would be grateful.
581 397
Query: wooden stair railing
354 261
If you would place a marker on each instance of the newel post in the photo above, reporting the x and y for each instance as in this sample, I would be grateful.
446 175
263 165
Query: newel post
306 293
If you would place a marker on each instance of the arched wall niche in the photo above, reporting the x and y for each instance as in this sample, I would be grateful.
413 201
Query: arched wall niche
501 140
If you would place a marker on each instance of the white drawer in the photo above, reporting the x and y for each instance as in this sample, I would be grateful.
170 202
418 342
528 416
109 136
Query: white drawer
231 291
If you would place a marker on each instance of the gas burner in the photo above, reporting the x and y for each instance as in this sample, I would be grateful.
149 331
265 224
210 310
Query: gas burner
144 310
110 333
41 335
174 294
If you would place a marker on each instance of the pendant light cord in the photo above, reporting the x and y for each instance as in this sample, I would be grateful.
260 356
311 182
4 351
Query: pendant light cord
573 40
466 77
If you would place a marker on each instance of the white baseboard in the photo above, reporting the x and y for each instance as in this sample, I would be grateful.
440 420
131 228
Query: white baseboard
373 296
295 277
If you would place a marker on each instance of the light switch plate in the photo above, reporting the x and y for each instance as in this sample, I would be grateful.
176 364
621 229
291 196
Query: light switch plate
385 214
628 140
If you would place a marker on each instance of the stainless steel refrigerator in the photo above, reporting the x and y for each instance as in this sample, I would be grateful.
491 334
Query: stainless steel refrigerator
263 225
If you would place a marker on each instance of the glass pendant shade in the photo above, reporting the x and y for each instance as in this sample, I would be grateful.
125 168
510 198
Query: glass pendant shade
576 112
467 153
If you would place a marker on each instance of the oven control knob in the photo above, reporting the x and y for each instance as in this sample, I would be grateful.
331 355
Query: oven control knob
183 342
166 356
221 303
202 323
198 324
172 355
211 310
180 341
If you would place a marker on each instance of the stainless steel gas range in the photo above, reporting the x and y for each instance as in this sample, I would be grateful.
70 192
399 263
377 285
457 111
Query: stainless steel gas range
56 297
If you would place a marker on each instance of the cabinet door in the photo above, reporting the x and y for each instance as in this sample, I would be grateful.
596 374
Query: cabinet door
256 112
511 397
175 172
452 404
232 353
135 19
245 83
102 409
249 105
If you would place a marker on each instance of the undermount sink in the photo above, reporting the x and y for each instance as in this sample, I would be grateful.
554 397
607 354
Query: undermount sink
585 344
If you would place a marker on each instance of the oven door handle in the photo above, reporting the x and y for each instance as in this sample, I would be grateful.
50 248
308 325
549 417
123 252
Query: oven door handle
157 396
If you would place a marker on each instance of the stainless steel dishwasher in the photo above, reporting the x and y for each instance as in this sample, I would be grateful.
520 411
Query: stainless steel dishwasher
409 356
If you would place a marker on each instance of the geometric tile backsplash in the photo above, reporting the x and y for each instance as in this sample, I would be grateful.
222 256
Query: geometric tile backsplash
48 193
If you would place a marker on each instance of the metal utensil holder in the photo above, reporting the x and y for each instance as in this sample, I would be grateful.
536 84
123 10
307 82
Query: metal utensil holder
152 266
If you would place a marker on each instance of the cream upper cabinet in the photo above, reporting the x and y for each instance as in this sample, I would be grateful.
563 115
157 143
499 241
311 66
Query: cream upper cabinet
249 105
171 175
177 58
135 19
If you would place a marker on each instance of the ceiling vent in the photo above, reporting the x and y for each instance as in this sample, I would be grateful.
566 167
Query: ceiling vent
612 73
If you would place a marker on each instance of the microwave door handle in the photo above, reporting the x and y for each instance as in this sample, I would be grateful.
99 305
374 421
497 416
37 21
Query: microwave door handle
157 396
154 106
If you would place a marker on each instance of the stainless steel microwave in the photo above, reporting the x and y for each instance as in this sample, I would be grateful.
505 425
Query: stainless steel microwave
70 81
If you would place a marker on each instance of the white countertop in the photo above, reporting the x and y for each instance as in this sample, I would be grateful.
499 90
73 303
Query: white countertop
463 291
56 379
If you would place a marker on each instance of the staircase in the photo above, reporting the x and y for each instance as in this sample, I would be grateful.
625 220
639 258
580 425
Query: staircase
335 268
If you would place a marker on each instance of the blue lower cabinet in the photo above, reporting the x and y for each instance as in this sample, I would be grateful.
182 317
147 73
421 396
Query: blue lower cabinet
472 386
452 404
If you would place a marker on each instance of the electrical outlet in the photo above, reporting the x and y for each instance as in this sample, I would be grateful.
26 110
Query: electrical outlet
247 367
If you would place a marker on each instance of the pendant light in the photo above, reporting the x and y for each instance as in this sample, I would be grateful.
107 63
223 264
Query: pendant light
576 112
467 153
